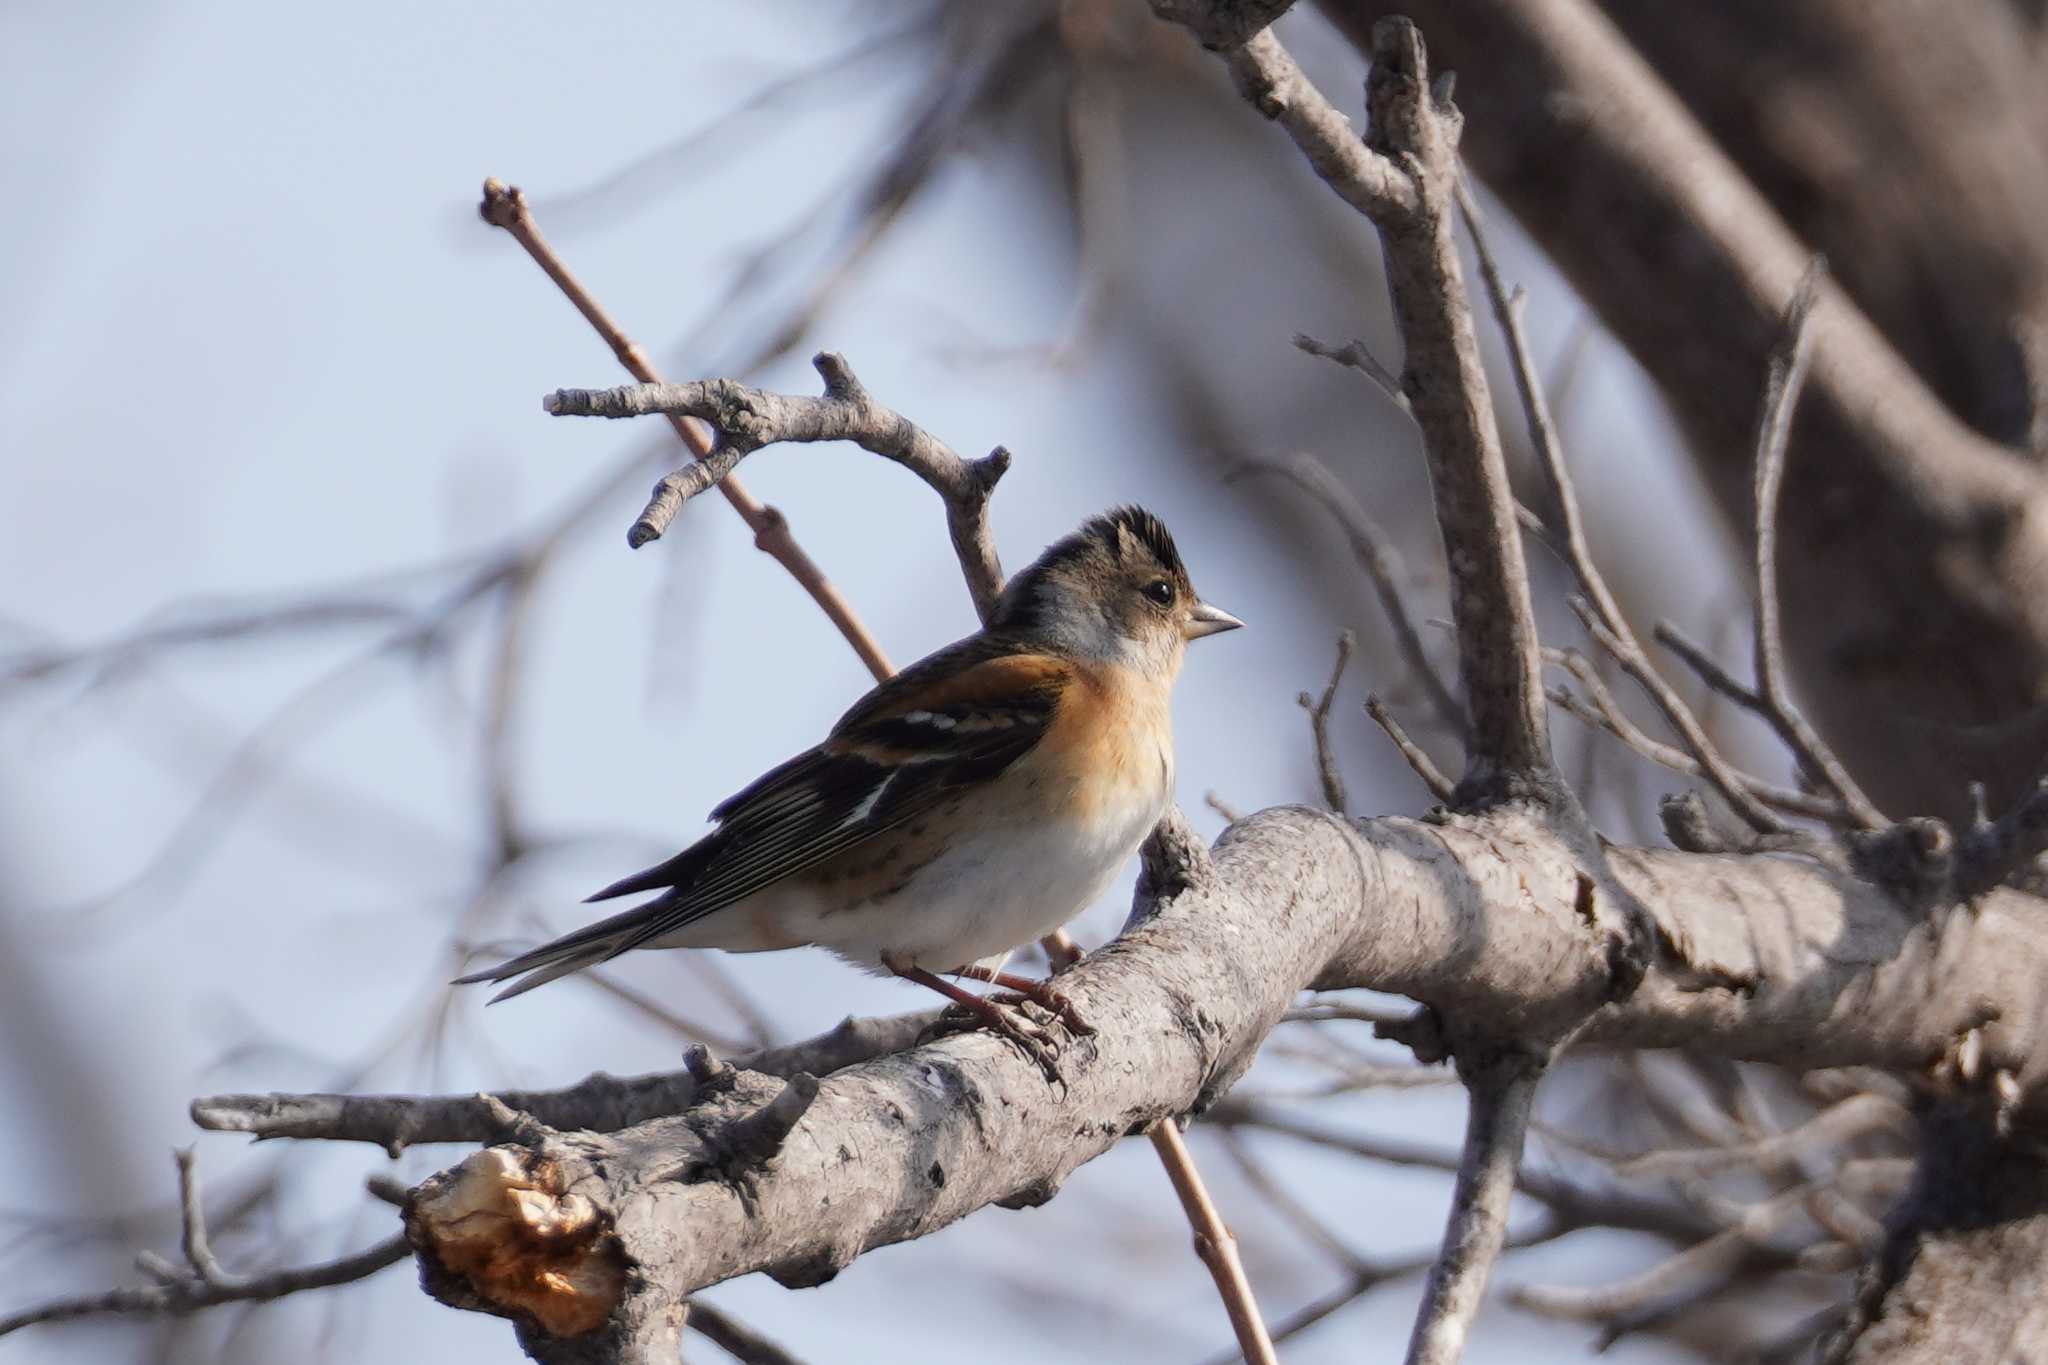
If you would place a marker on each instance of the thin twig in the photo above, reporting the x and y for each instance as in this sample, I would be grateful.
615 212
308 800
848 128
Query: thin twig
1706 1266
1423 766
1605 713
1789 361
1503 1094
748 418
203 1282
192 1220
1332 778
505 206
734 1337
1215 1244
1375 553
1599 610
1830 1128
1292 1209
1354 355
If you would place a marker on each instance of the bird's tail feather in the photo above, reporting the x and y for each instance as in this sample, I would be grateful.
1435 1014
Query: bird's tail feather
586 947
677 871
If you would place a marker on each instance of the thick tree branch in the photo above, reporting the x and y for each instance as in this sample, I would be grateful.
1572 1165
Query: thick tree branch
1502 1089
1483 918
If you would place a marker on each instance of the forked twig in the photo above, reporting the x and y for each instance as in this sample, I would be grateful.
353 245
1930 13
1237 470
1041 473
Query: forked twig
1789 361
505 206
1318 708
202 1282
747 419
1604 713
1598 608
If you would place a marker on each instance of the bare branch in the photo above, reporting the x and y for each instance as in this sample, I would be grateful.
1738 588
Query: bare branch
1786 377
1424 767
1215 1244
1831 1127
1268 78
1599 610
1375 553
504 206
1503 1093
748 418
1993 852
1402 179
1762 957
1623 647
599 1103
1572 1204
203 1282
734 1337
1703 1267
1319 727
1354 355
1605 713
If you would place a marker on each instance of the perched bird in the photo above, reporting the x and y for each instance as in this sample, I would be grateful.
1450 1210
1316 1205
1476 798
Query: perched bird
969 805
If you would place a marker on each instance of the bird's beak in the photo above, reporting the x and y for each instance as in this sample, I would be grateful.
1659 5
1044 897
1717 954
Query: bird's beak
1208 620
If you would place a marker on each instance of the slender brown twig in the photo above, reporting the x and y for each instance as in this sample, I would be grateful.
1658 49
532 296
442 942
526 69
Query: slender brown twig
1424 767
1215 1244
1790 359
1318 708
202 1282
505 206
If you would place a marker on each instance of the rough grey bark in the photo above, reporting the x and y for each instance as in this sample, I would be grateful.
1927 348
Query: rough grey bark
1491 917
1965 1275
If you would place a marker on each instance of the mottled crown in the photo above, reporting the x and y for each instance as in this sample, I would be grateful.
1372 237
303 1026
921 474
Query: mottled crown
1122 541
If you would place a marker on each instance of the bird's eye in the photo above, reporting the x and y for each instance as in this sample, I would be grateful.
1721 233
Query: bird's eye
1160 591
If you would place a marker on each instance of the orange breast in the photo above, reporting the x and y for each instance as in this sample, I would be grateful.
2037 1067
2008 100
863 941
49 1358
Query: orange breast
1110 747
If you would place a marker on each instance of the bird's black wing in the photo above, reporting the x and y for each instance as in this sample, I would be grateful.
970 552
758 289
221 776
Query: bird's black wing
958 718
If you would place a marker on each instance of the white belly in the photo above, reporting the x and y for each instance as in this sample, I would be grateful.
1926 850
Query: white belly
982 899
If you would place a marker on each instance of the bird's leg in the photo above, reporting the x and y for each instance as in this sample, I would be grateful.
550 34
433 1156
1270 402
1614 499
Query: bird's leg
1028 1036
1040 993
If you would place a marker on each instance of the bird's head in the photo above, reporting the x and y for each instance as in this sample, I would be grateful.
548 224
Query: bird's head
1114 591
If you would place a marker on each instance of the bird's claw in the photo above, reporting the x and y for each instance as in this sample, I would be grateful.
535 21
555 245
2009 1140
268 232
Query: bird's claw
1054 1002
1006 1018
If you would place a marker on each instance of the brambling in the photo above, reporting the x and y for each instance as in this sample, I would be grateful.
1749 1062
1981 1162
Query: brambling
969 805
